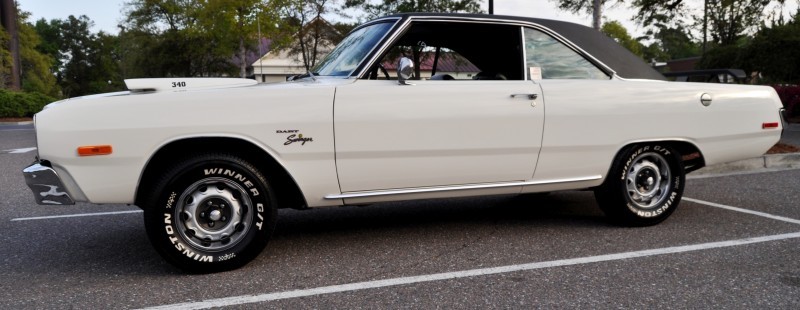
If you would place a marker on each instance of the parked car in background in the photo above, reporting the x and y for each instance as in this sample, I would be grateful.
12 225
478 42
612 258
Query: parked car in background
727 76
554 106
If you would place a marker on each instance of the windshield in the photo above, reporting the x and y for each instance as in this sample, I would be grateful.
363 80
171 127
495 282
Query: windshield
349 53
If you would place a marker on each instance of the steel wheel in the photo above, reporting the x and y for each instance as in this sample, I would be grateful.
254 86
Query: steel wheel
214 214
648 180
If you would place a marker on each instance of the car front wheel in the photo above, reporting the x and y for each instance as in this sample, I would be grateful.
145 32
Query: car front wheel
644 185
212 212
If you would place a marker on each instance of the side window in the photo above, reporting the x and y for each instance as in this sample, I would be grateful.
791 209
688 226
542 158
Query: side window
456 51
546 58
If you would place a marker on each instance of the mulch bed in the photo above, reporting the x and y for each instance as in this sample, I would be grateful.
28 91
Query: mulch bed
781 148
15 119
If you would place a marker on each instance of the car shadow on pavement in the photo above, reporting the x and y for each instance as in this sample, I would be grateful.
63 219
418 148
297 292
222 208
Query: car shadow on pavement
569 208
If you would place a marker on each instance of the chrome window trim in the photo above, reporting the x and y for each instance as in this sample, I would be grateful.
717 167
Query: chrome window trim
456 188
525 69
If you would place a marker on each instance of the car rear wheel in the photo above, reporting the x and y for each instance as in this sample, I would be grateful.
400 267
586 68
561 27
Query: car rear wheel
212 212
644 185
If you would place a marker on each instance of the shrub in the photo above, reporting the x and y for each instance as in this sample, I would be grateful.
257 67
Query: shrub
18 104
790 97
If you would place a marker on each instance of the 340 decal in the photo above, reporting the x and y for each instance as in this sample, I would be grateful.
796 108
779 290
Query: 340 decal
178 84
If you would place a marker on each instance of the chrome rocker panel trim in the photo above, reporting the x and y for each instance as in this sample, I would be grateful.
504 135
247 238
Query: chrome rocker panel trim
455 188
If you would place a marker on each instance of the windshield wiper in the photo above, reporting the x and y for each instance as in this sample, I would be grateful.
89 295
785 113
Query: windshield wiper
308 74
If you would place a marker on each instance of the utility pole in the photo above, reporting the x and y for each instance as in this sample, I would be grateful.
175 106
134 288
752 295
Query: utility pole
597 13
705 25
8 18
491 6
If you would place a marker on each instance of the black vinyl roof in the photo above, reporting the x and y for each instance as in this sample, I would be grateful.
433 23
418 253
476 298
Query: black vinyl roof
595 43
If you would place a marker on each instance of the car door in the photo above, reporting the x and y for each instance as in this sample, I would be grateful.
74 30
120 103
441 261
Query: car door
580 97
436 133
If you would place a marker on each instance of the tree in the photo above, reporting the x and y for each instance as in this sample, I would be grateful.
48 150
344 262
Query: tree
6 60
312 35
37 68
75 47
773 52
81 62
382 7
671 43
234 24
676 42
162 40
9 21
50 44
36 74
594 7
195 38
728 18
616 31
89 62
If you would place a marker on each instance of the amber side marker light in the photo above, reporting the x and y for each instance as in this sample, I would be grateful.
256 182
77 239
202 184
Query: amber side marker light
94 150
769 125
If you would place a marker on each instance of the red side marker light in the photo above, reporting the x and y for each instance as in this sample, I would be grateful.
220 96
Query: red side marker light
770 125
94 150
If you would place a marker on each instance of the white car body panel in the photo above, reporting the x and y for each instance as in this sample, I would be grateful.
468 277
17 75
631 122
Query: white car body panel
585 129
582 131
138 125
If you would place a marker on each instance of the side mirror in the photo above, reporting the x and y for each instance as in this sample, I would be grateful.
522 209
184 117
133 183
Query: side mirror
405 71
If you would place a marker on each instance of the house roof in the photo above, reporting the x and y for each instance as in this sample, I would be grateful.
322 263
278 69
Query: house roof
448 62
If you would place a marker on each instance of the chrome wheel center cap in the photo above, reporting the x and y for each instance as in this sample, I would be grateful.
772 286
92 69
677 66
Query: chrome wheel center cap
215 215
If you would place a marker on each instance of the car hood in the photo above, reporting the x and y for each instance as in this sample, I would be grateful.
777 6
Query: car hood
182 85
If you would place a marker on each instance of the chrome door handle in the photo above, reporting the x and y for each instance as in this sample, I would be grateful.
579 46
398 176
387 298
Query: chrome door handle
529 96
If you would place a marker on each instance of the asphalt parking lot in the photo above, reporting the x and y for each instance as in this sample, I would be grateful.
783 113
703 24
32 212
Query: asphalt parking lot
734 242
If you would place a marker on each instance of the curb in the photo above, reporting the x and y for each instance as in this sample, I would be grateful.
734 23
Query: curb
772 161
17 123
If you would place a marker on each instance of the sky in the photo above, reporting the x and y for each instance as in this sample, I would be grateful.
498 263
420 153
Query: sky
107 13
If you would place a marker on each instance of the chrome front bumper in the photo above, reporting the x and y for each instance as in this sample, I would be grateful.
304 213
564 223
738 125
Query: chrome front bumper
46 185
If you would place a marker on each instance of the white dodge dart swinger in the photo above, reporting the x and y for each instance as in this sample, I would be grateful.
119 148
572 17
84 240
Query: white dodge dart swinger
505 105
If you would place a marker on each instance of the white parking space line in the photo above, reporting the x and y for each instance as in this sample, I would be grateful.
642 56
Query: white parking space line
20 151
73 215
25 129
246 299
762 214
